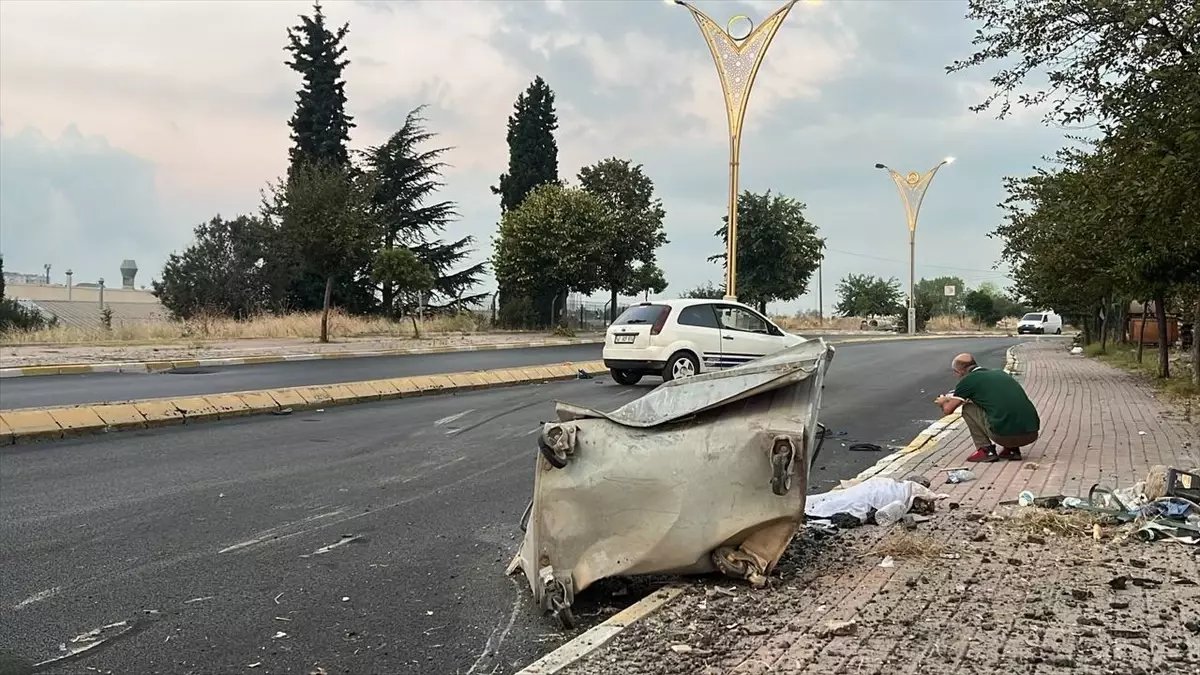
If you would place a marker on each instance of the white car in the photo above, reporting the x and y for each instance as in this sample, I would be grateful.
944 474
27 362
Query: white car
680 338
1042 323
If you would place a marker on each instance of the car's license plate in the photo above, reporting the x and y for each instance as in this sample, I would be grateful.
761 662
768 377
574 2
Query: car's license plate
624 339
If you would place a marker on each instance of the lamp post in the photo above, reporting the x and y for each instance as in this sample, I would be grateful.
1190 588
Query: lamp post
912 187
737 60
69 273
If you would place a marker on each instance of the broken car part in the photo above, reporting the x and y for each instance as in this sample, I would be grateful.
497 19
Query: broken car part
704 473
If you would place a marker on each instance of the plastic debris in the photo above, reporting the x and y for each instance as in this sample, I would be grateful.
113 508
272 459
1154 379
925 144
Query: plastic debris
681 649
960 476
887 562
839 628
1026 498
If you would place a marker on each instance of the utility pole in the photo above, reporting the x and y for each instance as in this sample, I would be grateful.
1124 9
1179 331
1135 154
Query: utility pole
820 296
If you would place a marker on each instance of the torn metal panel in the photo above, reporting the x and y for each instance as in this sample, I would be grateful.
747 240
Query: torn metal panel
704 473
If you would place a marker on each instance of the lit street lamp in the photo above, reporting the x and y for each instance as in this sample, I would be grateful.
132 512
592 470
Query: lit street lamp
912 187
737 60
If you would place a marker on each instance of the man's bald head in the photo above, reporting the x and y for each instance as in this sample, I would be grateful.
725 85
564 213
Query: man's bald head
963 363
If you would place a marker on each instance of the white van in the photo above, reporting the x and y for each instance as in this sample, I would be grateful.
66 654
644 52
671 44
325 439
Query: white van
1041 323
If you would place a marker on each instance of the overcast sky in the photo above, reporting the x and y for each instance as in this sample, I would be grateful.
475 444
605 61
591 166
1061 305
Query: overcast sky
124 124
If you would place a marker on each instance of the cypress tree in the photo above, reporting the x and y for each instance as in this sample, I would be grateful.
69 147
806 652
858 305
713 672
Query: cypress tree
532 150
320 125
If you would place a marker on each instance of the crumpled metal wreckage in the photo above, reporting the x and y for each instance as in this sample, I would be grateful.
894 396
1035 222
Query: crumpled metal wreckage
701 474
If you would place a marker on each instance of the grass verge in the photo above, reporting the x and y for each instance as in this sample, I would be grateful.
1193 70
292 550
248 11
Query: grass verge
205 328
1179 386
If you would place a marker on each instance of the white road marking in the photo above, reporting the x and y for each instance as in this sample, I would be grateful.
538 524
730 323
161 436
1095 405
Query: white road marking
450 418
340 542
38 597
268 535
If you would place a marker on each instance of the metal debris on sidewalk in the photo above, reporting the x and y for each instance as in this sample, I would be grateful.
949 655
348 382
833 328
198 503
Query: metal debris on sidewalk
706 473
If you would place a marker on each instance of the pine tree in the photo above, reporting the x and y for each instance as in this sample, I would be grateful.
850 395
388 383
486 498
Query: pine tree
532 161
320 125
406 177
532 150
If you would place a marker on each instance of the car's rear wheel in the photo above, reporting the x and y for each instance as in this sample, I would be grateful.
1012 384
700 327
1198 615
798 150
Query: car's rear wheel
680 366
1058 332
627 377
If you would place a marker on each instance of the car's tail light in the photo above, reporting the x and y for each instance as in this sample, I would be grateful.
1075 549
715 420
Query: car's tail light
661 320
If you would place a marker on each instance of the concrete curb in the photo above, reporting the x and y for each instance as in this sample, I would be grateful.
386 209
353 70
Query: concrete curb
158 366
29 424
170 364
597 636
927 440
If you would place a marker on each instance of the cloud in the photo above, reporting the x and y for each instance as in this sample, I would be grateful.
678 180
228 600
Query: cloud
179 111
77 202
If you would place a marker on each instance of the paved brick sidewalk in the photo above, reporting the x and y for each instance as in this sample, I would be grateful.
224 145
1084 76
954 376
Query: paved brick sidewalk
988 590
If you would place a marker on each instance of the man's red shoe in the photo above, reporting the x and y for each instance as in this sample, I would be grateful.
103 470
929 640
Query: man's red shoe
987 454
1011 454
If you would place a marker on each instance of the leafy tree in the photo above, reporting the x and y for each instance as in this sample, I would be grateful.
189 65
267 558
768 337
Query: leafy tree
931 299
532 162
405 178
981 306
325 214
547 247
402 271
223 271
635 227
868 295
320 125
532 150
708 291
1132 69
647 278
778 249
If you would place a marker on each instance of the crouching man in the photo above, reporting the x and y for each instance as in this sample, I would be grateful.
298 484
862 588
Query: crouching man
996 409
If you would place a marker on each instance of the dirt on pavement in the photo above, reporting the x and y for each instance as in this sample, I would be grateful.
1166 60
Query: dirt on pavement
972 592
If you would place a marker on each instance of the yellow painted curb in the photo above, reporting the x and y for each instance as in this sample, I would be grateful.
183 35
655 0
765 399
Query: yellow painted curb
39 370
75 420
120 415
25 424
31 424
156 366
159 412
287 398
227 405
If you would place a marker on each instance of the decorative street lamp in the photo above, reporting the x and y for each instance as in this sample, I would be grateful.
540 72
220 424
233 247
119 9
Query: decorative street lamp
737 60
912 187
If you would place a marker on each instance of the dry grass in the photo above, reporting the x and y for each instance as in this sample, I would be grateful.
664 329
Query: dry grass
307 326
946 324
1179 387
809 321
905 545
1036 520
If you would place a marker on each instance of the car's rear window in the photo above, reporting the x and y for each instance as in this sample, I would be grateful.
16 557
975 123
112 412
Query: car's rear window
1033 317
640 314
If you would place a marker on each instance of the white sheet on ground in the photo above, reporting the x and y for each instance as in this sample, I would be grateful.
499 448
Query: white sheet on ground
874 493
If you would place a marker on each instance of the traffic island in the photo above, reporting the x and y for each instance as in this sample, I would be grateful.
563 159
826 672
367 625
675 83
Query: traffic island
35 424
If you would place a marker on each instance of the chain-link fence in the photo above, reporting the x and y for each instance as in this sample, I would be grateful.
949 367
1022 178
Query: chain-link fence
588 315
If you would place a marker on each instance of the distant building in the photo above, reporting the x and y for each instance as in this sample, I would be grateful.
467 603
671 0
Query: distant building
79 304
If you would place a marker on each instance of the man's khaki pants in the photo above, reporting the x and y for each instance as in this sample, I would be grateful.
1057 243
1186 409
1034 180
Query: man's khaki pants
977 424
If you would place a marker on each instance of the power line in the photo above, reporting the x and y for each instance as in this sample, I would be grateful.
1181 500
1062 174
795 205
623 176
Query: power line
943 267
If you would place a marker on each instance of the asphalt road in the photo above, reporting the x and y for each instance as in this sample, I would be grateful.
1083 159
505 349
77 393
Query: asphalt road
369 538
32 392
29 392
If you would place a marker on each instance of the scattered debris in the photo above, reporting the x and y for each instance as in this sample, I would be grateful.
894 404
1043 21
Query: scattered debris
681 649
839 628
345 598
755 629
278 597
887 562
194 600
960 476
583 375
254 665
908 546
279 635
282 411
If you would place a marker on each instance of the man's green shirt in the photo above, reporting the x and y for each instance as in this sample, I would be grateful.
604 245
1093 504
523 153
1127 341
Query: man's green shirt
1009 410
